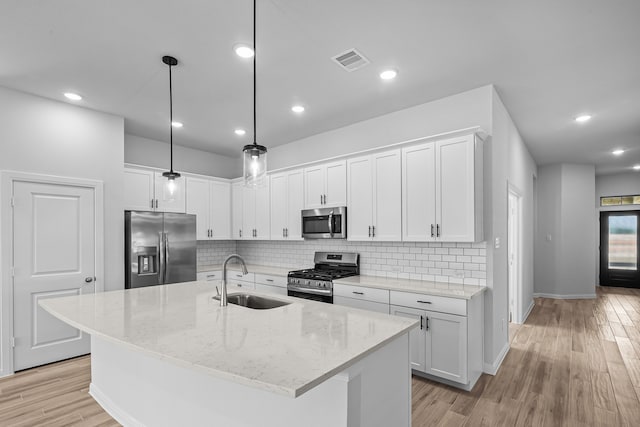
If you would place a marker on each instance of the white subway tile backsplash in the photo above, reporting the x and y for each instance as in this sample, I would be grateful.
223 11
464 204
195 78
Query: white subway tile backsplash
446 262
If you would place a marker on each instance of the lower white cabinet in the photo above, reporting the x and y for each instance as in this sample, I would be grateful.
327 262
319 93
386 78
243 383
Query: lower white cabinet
361 304
372 299
271 284
446 345
270 289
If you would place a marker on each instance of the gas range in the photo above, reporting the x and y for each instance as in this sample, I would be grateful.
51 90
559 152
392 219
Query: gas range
317 283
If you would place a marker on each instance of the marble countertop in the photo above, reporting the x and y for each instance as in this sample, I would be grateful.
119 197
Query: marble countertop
453 290
252 268
286 350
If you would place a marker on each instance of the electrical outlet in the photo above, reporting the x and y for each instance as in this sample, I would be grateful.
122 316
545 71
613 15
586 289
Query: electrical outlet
497 244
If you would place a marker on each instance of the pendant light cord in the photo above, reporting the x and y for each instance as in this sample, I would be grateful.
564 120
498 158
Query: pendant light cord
254 73
170 119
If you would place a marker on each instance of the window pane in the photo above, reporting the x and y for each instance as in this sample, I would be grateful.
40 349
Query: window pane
609 201
623 245
627 200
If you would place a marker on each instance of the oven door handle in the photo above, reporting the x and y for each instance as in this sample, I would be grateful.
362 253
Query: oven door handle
331 223
311 291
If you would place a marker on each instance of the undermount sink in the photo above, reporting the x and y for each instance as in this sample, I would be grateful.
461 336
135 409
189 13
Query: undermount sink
254 301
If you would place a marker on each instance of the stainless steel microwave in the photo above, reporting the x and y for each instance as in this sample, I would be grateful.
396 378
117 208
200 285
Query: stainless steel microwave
324 223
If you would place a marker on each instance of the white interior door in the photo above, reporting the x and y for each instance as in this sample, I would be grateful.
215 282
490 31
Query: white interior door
513 250
54 255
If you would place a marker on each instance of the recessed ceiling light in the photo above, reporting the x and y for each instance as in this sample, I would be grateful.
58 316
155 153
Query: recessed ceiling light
297 109
636 167
243 51
176 124
73 96
240 132
583 118
617 152
388 74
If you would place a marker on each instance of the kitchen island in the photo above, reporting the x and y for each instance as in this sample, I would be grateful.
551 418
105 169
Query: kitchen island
170 355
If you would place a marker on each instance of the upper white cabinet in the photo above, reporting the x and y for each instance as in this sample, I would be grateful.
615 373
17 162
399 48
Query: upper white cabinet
145 190
374 197
236 210
287 200
210 201
255 213
325 185
442 191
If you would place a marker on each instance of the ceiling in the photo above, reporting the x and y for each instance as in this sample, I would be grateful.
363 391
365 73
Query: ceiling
549 60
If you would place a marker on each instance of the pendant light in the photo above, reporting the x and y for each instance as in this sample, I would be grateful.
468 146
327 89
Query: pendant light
254 155
171 188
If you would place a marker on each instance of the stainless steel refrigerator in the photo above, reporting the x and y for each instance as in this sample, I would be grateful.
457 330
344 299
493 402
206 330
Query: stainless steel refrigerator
160 248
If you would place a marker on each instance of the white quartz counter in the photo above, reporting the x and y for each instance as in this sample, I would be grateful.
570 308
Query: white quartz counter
453 290
252 268
286 350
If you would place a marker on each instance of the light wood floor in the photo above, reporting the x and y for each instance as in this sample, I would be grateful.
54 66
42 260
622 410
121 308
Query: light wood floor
573 363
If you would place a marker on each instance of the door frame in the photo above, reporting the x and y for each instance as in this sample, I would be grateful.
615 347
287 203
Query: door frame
7 179
603 250
515 288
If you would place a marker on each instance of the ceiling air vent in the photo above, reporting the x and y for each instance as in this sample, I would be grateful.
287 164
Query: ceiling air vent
351 60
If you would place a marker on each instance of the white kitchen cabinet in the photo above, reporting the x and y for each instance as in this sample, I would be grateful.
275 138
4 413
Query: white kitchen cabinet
210 276
361 304
269 289
287 201
255 212
237 190
210 201
446 345
442 190
374 197
372 299
325 185
145 190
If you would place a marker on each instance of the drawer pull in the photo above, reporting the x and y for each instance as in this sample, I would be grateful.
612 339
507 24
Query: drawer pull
269 280
209 276
239 285
424 302
358 293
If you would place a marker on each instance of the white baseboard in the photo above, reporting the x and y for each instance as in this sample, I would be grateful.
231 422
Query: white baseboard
528 312
491 369
572 296
112 409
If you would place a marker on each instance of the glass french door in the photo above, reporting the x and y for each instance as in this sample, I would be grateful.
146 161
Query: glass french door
620 248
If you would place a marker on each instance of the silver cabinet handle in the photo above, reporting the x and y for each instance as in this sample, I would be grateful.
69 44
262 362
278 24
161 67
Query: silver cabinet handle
321 199
369 231
421 325
287 232
358 293
427 328
88 279
424 302
151 203
373 231
432 233
240 232
156 203
239 285
438 230
283 235
269 280
325 199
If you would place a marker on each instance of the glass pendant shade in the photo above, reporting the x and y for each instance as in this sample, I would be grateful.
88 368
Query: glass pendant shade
171 191
254 165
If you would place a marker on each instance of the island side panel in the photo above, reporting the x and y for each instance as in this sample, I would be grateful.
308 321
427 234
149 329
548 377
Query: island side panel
142 390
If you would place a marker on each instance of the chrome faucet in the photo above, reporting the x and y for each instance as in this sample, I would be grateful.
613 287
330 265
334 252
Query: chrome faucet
223 296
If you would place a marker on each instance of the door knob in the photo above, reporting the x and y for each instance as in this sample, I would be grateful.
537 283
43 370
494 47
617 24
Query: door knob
88 279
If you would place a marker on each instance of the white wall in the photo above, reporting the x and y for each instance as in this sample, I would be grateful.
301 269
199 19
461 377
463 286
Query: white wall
42 136
623 184
149 152
566 242
464 110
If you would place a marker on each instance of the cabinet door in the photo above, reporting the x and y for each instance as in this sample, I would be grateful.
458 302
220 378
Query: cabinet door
295 204
314 186
446 346
360 195
138 189
237 190
166 201
336 184
261 210
419 193
198 203
387 200
220 217
455 189
248 212
417 342
279 204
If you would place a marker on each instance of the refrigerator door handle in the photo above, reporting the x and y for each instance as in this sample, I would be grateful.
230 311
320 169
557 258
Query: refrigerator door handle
166 256
160 258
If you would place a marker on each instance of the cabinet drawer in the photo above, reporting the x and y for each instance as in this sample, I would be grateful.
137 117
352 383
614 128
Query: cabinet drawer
267 279
237 285
361 304
361 293
430 302
210 275
269 289
237 275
